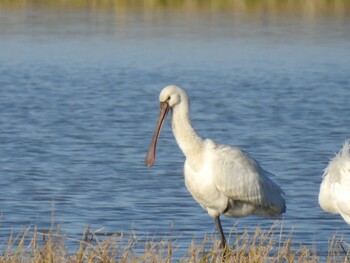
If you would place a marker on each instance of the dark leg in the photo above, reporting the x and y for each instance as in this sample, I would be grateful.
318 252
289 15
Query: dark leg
221 233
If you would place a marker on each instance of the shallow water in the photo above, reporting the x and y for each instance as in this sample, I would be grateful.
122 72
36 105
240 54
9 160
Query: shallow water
79 103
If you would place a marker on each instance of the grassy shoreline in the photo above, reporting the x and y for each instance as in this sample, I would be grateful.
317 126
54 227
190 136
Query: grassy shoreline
264 245
339 8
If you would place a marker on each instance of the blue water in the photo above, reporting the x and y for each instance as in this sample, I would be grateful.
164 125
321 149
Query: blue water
79 103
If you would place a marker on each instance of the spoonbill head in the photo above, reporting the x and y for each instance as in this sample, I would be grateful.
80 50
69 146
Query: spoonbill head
170 97
222 179
334 196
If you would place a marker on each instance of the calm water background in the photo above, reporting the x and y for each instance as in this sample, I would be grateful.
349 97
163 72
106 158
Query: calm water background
79 102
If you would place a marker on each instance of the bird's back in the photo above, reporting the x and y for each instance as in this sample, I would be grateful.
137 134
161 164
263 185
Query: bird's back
334 196
238 180
245 182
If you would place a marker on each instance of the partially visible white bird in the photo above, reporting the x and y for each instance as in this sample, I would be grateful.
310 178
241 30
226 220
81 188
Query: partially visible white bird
334 196
222 179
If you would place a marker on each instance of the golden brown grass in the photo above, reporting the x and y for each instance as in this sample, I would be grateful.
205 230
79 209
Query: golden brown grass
33 245
303 8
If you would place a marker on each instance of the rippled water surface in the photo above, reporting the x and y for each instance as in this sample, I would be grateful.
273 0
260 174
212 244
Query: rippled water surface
79 103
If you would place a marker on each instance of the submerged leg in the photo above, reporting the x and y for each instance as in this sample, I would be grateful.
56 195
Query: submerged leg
221 233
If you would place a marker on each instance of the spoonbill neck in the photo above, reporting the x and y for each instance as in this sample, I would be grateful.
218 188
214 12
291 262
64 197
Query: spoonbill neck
186 137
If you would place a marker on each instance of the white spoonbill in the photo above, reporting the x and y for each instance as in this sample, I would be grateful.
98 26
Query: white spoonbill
334 196
222 179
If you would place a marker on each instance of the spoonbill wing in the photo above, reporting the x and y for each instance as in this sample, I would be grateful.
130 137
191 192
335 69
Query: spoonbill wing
241 178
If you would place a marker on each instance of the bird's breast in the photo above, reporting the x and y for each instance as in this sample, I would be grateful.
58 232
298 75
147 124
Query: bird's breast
326 196
200 183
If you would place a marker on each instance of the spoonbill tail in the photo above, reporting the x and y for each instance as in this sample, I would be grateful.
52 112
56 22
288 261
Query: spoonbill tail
334 196
222 179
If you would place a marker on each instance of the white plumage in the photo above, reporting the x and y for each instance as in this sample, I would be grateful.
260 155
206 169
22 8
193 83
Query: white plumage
334 196
222 179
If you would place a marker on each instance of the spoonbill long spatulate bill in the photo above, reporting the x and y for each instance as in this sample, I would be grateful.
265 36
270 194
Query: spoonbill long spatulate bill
222 179
334 196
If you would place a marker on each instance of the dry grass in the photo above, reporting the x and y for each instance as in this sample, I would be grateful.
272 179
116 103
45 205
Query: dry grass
33 245
300 7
